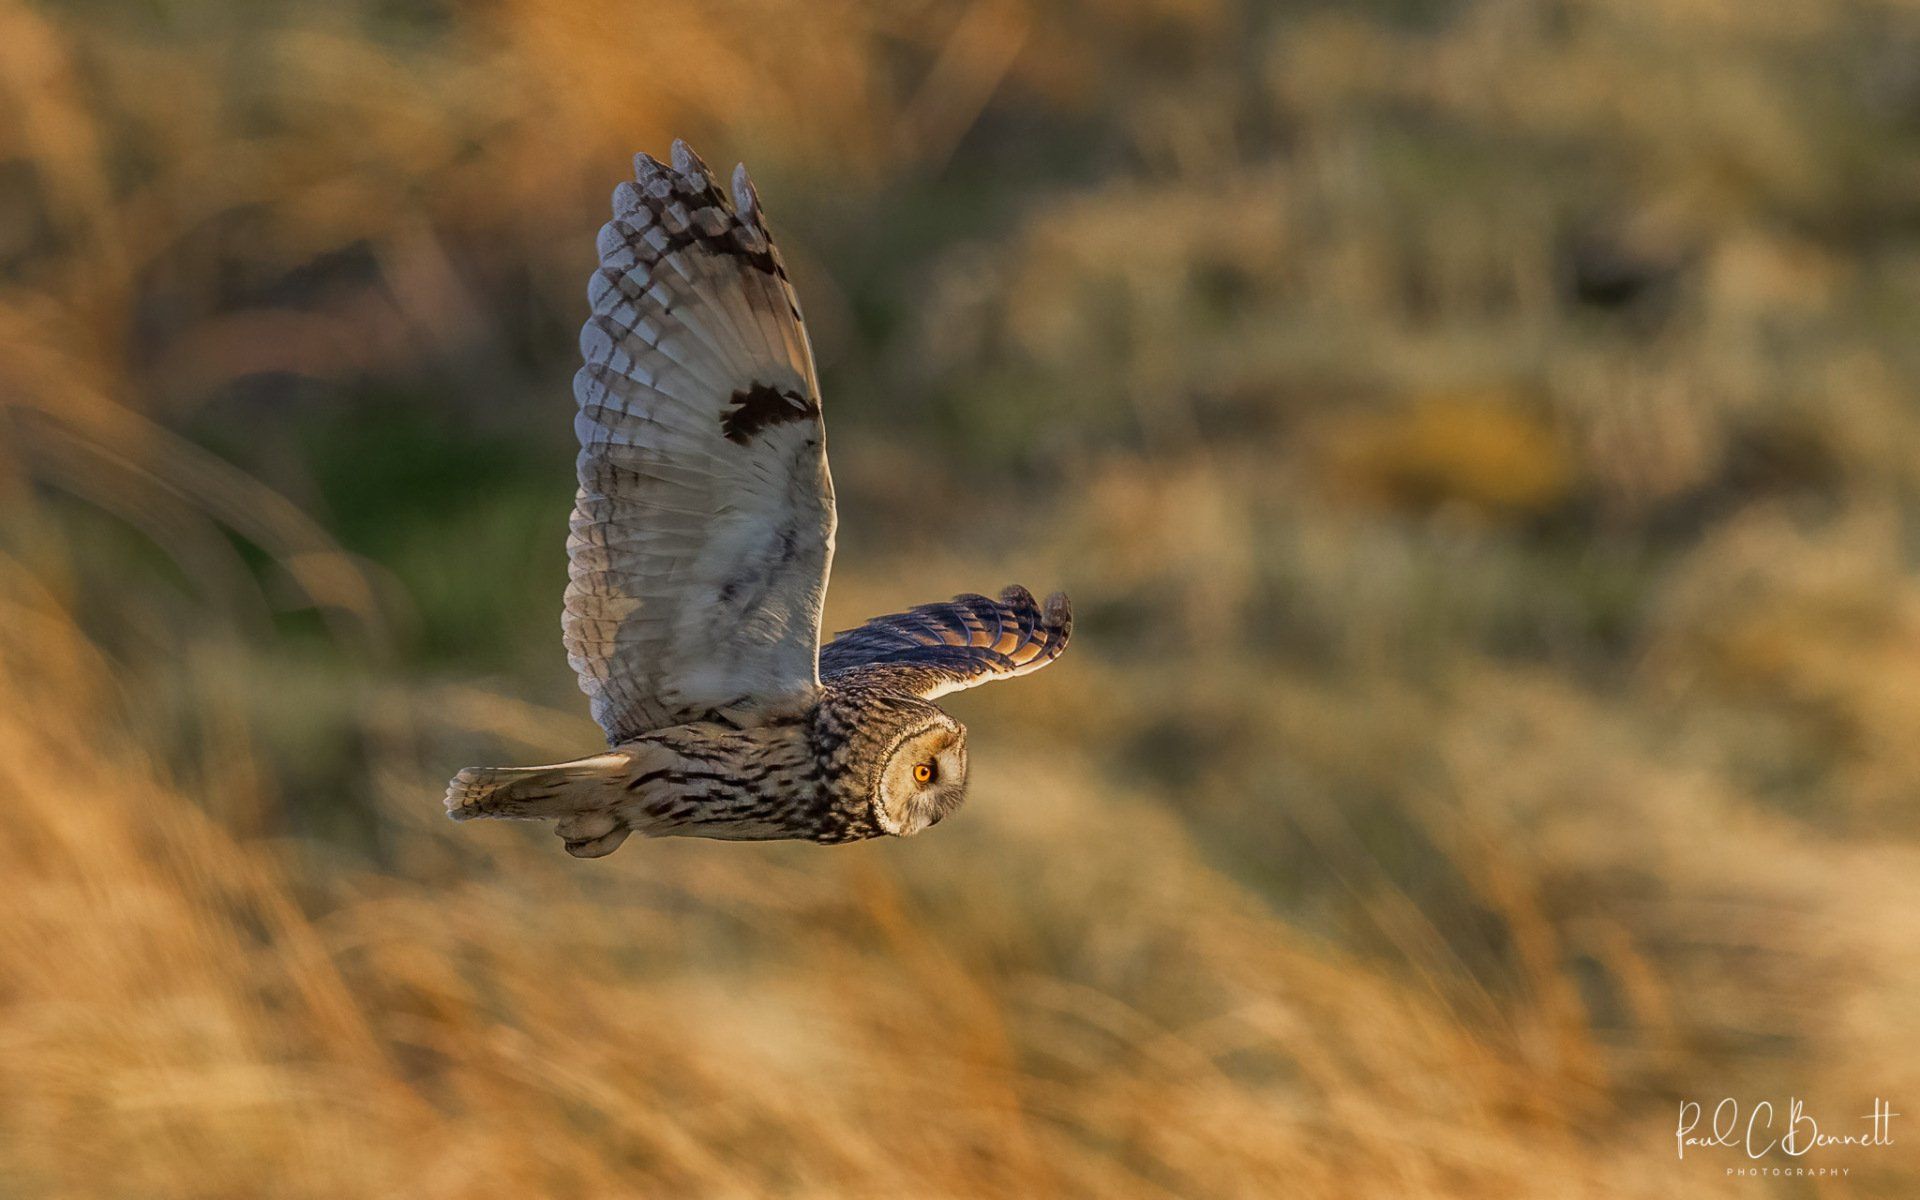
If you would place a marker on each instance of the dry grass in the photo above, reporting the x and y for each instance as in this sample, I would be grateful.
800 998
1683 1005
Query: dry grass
1477 437
192 1013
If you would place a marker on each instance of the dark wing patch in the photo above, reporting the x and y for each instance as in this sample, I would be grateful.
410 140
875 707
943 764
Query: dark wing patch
763 405
938 648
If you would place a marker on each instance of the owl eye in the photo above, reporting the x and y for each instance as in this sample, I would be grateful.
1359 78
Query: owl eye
923 772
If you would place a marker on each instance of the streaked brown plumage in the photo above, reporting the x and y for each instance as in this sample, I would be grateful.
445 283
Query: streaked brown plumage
700 544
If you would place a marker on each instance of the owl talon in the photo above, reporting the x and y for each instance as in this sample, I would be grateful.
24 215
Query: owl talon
586 826
598 847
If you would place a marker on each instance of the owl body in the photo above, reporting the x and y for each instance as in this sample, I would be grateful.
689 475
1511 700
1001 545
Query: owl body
844 769
699 548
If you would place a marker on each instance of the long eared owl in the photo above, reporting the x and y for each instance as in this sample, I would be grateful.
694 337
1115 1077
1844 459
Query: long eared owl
701 537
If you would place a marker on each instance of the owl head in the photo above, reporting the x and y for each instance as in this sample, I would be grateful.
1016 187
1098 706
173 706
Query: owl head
923 774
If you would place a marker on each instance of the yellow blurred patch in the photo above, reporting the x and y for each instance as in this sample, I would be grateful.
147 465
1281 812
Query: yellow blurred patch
1483 453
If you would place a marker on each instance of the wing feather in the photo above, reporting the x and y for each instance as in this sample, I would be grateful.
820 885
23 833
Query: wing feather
934 649
703 527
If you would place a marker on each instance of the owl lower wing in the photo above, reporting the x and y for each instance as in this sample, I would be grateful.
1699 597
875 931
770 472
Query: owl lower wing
939 648
703 527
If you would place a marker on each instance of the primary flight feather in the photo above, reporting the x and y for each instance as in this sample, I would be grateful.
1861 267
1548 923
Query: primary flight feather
701 538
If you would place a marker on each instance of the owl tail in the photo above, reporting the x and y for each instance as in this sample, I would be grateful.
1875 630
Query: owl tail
581 795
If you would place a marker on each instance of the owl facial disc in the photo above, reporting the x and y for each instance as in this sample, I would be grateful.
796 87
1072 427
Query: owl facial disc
923 778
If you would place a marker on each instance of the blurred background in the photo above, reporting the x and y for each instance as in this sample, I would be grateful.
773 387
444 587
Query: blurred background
1478 435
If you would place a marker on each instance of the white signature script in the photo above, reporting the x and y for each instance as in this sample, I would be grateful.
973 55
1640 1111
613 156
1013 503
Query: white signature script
1757 1135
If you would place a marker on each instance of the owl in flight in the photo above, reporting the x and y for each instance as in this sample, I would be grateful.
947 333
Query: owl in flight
701 537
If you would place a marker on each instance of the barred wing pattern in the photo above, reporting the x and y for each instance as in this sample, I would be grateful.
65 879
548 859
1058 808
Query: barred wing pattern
703 528
939 648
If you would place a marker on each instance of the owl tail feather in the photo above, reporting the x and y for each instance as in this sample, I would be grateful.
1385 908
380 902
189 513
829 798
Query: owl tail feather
580 795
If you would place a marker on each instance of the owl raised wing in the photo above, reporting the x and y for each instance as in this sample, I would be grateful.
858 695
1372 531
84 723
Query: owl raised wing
703 528
701 537
934 649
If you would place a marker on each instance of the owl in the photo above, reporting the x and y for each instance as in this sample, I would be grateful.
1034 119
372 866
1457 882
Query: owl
701 537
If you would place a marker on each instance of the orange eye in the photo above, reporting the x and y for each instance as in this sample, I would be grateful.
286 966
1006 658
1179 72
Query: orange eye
923 772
